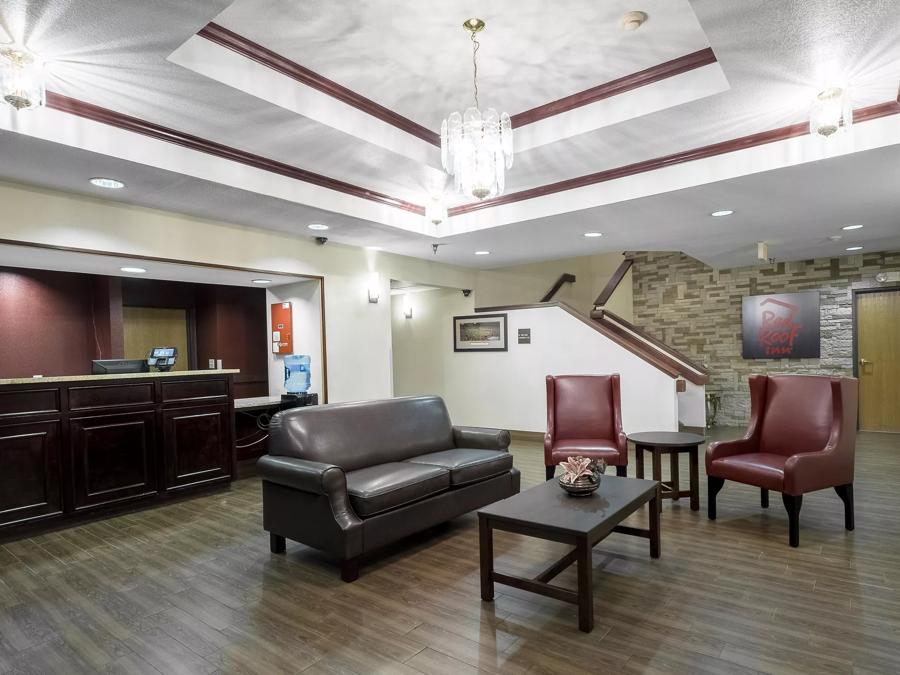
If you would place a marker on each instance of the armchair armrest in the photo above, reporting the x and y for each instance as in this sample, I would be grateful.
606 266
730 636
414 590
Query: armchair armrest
482 438
300 474
741 446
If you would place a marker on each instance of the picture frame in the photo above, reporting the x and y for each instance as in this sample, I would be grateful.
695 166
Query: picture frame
480 333
781 326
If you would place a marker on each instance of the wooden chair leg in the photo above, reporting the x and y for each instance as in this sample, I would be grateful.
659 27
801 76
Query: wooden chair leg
350 569
764 498
276 543
845 492
550 471
622 471
793 503
713 485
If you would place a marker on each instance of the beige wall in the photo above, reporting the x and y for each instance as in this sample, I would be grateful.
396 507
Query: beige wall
525 284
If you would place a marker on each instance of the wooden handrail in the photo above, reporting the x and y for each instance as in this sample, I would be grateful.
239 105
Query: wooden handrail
613 282
565 278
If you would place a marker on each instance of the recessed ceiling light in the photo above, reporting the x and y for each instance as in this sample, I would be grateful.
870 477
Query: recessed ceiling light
482 252
851 227
723 212
854 248
133 270
374 248
108 183
317 226
262 282
593 234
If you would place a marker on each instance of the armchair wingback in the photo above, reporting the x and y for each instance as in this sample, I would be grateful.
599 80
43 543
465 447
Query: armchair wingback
801 438
584 417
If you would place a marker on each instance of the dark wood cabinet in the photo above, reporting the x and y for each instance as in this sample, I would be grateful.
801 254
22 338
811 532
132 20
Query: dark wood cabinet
113 457
197 444
30 471
99 443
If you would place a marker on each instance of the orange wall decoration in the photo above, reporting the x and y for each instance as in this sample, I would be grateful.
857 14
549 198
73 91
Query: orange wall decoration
282 328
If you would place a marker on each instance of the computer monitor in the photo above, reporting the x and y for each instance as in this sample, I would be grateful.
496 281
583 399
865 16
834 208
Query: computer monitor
119 366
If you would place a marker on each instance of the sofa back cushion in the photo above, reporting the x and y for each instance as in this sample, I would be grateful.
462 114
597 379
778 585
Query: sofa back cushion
798 414
583 407
365 433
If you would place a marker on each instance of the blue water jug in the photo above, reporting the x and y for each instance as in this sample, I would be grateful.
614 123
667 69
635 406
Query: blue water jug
296 373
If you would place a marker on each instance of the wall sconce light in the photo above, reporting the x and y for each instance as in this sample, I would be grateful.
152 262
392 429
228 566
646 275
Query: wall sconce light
21 78
373 295
407 307
374 289
436 210
831 112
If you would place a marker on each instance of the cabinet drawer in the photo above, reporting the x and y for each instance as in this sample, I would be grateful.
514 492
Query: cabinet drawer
180 391
106 396
28 401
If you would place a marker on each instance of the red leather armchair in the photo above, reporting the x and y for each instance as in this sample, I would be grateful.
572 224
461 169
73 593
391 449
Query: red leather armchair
801 438
584 417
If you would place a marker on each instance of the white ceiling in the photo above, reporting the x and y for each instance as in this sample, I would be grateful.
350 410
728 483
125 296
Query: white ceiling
414 59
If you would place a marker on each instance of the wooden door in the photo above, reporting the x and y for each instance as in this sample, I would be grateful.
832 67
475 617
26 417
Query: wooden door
878 351
30 471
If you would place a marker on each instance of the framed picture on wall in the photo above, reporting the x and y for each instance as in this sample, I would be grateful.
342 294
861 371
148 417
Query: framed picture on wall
479 333
781 326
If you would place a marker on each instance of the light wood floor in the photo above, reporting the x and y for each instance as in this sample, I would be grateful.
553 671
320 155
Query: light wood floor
192 588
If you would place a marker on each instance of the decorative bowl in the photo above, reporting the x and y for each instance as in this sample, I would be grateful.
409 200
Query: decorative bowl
583 486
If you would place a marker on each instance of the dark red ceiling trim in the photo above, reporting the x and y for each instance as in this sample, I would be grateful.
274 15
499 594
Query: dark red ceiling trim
256 52
782 133
662 71
139 126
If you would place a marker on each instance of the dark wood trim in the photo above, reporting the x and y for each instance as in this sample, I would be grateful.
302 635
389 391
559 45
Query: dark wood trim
565 278
266 57
613 282
128 123
661 71
744 142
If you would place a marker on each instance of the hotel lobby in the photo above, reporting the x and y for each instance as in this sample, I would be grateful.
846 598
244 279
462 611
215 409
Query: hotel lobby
481 337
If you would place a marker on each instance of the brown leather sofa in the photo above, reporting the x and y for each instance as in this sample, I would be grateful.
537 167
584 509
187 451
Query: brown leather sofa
349 478
801 438
584 417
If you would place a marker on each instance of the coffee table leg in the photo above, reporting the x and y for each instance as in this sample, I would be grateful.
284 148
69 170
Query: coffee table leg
657 473
673 469
585 586
695 481
486 546
639 457
654 523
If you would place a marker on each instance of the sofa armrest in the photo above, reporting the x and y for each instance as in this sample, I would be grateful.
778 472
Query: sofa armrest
300 474
483 438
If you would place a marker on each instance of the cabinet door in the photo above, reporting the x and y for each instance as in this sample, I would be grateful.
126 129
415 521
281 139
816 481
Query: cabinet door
113 457
30 471
198 447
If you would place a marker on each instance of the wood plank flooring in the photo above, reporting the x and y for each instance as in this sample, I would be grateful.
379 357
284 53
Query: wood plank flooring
191 587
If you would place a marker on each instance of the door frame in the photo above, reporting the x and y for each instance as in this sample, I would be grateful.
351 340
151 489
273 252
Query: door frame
856 293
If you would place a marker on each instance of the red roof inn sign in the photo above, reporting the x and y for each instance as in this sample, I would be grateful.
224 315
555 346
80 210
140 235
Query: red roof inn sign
784 326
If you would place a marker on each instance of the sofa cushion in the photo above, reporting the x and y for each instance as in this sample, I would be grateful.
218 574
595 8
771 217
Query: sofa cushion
468 465
762 469
386 486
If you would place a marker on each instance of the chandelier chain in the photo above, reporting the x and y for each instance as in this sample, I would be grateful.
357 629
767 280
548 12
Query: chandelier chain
475 47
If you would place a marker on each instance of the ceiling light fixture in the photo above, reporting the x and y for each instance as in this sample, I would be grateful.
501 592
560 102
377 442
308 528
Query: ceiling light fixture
317 227
262 282
108 183
854 248
21 78
374 248
133 270
476 147
831 112
852 227
593 234
633 20
723 212
436 210
482 252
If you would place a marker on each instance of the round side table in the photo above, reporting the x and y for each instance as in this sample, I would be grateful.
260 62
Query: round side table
672 443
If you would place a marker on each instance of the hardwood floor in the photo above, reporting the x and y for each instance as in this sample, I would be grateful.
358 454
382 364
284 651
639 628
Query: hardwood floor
191 587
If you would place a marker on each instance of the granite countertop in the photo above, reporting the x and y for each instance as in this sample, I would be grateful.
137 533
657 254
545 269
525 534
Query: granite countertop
122 376
256 402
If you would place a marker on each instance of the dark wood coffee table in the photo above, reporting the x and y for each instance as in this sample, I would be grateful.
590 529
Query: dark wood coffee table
672 443
547 512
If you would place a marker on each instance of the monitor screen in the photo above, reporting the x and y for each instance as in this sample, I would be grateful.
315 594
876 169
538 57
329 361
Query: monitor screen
119 366
162 352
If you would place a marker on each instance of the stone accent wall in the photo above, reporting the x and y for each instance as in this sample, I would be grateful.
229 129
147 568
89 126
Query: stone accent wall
697 310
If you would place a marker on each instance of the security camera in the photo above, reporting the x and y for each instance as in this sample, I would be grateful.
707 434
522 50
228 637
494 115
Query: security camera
321 241
467 292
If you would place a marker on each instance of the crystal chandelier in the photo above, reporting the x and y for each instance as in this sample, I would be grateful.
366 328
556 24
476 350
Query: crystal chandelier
21 78
831 112
477 147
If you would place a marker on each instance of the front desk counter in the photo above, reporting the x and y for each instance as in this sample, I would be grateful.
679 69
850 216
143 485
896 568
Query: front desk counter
77 445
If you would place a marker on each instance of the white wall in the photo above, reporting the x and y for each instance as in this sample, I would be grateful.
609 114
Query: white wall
507 389
306 314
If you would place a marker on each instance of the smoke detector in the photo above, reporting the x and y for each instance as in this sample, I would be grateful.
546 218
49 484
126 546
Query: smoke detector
633 20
